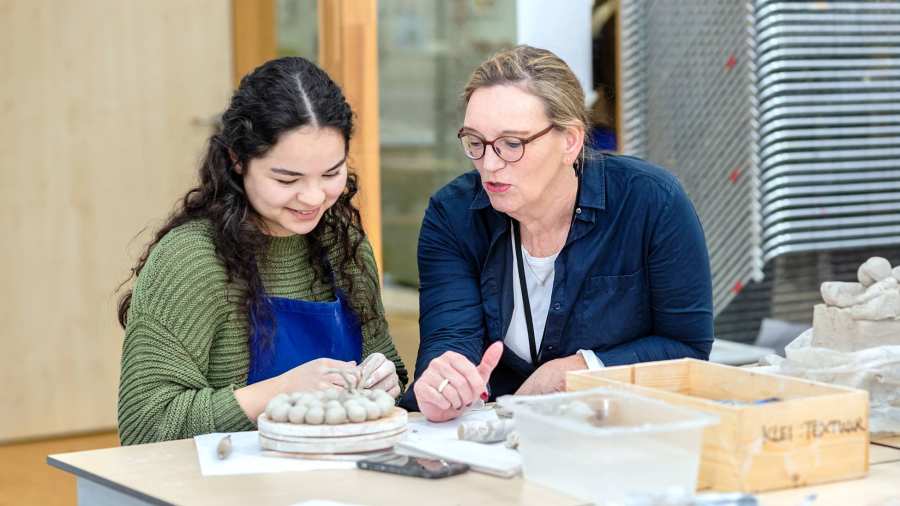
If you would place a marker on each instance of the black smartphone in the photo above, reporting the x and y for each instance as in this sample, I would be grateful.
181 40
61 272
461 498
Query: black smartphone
412 466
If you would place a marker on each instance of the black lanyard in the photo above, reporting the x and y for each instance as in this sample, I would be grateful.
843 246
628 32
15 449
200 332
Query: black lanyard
526 304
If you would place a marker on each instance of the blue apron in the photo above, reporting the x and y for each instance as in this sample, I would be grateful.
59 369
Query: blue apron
305 331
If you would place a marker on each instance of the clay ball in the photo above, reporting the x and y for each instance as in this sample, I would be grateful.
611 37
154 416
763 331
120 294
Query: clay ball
356 413
330 406
373 411
315 415
873 270
280 412
297 413
335 415
386 405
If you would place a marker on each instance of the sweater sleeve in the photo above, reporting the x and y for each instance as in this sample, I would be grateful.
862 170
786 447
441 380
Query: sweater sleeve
177 306
376 337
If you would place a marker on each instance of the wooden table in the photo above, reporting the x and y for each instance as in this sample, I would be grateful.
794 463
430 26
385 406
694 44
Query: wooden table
168 473
876 489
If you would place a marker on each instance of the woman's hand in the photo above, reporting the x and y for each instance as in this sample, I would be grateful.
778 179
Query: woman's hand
451 383
551 377
312 375
381 374
315 375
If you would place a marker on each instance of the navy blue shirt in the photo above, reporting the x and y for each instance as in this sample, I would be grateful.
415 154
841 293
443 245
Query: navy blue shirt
631 283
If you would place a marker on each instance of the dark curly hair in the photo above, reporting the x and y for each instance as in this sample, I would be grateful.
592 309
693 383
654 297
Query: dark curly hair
278 97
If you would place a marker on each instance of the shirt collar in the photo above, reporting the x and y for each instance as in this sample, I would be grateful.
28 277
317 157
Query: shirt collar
593 183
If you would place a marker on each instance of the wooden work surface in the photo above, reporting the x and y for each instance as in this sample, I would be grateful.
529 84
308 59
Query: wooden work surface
893 442
881 484
169 472
883 454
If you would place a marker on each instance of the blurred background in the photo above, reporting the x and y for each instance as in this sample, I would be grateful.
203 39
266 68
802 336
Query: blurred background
780 118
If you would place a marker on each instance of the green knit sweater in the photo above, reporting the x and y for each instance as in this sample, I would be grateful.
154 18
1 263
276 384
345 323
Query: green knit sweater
186 342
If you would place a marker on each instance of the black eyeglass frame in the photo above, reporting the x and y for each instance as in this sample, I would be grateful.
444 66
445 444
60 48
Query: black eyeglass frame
524 141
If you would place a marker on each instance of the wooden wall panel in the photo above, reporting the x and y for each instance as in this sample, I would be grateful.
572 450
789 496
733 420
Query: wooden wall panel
255 34
348 51
105 107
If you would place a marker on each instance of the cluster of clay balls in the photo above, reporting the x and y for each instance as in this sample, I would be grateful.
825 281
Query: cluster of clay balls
330 407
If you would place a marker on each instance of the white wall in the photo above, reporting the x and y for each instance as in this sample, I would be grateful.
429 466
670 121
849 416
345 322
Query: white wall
564 27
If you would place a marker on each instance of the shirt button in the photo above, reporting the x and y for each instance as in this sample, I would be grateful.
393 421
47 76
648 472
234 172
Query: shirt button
550 348
577 210
556 306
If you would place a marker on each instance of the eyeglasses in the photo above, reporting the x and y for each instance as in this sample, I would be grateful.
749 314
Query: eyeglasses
508 148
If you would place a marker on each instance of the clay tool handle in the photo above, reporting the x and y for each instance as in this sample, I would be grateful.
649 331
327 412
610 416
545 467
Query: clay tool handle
223 449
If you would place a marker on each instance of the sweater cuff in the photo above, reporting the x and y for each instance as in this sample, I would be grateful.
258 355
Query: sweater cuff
227 413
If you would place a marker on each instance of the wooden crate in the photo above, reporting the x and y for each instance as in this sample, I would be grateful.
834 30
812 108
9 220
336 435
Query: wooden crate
815 433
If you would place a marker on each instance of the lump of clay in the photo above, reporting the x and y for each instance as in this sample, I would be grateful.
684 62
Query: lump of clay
873 270
331 406
880 301
850 295
875 297
334 406
840 294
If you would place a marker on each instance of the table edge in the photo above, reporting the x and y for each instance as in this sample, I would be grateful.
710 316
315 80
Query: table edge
81 473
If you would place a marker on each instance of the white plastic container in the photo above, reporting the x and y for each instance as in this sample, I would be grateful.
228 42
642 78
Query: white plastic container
607 446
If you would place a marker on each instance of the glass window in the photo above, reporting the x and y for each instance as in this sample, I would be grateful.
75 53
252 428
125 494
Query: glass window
298 28
426 52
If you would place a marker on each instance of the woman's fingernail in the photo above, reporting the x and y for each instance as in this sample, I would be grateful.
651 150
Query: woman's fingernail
484 396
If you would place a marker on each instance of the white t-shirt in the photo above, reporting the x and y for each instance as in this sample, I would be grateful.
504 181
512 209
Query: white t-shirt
539 274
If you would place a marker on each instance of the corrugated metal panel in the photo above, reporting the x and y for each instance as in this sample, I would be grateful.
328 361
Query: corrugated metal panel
781 118
686 100
829 134
633 94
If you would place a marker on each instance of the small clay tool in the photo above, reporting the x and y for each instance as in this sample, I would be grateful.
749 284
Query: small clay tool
223 449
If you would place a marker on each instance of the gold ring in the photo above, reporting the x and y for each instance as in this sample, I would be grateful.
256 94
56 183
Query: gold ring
443 385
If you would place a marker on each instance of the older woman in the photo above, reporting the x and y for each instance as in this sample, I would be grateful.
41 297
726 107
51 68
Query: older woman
570 259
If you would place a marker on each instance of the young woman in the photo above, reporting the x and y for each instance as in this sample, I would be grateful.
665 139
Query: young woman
262 281
570 259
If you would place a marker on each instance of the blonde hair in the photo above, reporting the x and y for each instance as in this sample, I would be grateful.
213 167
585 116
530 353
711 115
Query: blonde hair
541 73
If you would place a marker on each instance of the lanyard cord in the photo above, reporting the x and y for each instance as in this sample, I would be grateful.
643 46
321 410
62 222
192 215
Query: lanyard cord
526 303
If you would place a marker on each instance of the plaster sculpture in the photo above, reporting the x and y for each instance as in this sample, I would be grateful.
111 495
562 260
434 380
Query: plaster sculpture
855 342
860 315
